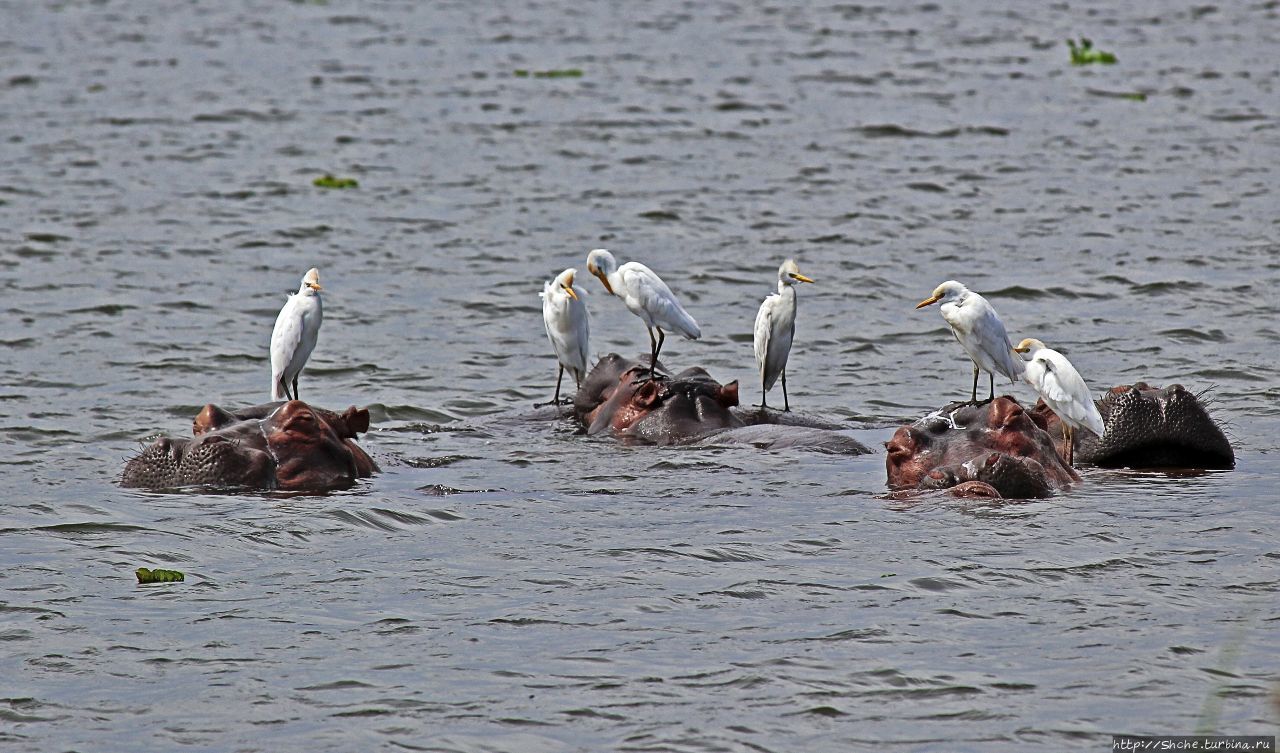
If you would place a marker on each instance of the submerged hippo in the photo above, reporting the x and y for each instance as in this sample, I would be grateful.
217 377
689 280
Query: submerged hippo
617 397
993 449
1148 427
998 449
289 446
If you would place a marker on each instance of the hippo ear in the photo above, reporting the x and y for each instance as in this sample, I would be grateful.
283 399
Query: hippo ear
353 422
728 395
648 394
209 418
1003 412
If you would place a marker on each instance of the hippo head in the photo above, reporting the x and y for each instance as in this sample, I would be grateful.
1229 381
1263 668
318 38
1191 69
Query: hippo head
1149 427
616 397
996 444
290 446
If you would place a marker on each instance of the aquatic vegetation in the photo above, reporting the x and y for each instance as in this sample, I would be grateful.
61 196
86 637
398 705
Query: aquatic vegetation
1085 54
554 73
329 181
159 576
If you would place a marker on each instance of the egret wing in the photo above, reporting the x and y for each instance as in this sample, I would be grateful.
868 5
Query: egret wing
992 338
653 296
285 339
764 328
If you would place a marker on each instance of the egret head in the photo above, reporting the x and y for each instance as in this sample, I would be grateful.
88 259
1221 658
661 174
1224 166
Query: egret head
564 281
602 264
311 281
1028 345
947 292
789 273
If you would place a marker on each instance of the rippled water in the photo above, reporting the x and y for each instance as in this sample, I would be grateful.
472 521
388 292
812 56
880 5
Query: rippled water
505 585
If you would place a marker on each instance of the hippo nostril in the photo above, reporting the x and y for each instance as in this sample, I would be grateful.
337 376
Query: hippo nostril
170 448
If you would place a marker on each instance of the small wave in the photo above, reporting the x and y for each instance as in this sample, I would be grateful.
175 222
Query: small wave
239 115
1179 287
379 518
1185 333
892 130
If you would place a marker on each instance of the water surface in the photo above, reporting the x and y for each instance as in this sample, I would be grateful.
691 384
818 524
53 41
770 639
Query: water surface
506 585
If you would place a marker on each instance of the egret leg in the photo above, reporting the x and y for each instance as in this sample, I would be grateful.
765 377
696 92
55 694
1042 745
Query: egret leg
992 377
295 389
764 395
1068 433
973 396
786 404
555 400
654 347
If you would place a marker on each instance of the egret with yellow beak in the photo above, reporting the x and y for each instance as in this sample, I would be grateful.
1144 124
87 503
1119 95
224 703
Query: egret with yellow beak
979 331
646 296
1062 389
294 337
775 329
564 313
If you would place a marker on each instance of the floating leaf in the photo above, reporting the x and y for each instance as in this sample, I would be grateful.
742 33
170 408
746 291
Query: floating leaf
158 576
1084 53
329 181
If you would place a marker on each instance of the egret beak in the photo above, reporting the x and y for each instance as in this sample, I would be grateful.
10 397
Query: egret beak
799 277
1022 350
315 286
603 279
569 289
928 301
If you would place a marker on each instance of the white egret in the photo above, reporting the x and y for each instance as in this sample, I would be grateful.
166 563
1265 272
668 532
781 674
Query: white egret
1062 389
647 296
775 328
294 337
979 331
564 314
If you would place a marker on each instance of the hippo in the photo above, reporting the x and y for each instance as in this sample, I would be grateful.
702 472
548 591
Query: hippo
1000 449
619 398
289 446
1148 427
991 449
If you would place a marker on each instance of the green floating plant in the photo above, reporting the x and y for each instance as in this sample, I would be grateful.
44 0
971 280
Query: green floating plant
560 73
1084 53
158 576
329 181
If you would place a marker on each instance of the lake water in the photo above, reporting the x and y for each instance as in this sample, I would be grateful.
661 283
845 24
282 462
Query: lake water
506 585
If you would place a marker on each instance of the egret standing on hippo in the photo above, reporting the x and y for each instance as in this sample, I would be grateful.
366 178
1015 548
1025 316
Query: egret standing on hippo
646 296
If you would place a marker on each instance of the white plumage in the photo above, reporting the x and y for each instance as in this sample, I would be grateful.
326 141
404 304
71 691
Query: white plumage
979 331
294 337
1062 389
775 329
564 313
646 296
